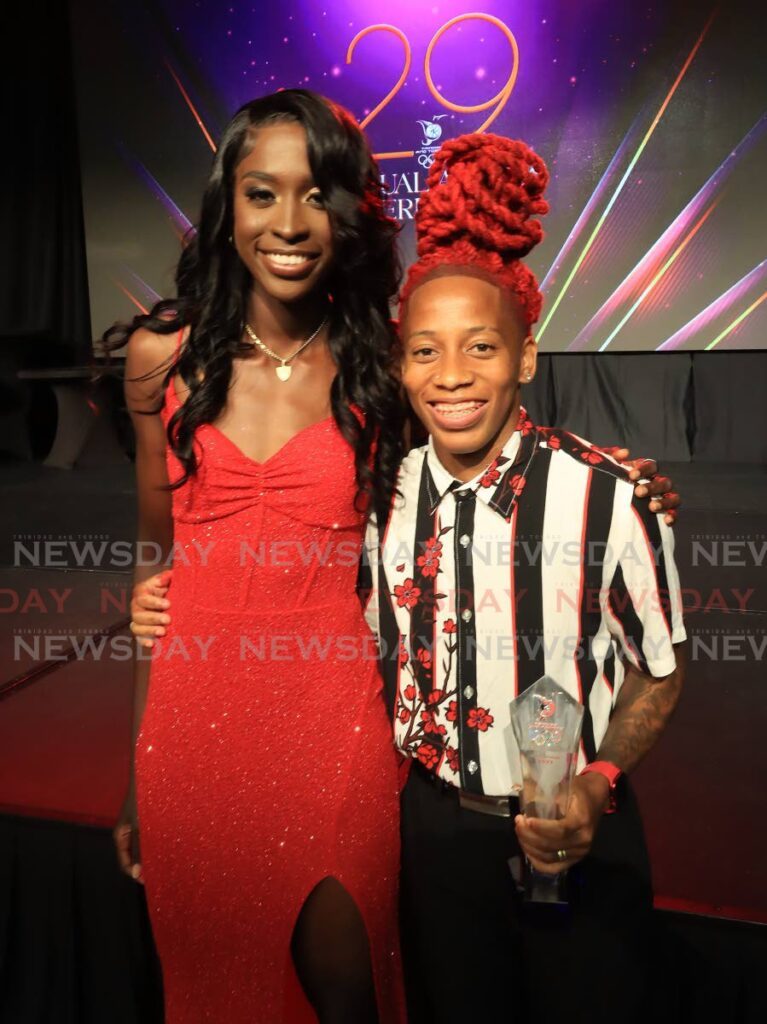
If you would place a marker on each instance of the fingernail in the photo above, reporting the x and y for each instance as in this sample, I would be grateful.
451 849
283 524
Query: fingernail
135 870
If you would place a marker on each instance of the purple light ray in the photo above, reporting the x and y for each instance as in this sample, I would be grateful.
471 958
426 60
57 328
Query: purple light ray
148 292
658 252
589 208
181 222
715 309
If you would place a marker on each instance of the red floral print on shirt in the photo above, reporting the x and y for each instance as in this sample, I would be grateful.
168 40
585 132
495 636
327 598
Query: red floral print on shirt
479 718
407 594
452 711
428 755
518 484
428 562
422 731
453 760
524 423
430 723
419 714
424 656
491 475
403 655
593 458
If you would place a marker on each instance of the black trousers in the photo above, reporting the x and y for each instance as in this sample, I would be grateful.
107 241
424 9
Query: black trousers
473 952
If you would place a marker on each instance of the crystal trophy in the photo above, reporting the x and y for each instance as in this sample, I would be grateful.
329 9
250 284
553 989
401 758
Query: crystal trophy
546 729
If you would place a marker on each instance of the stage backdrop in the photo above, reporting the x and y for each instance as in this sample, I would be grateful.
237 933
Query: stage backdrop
651 117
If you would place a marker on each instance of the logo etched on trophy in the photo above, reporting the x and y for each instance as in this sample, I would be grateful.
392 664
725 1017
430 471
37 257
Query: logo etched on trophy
546 728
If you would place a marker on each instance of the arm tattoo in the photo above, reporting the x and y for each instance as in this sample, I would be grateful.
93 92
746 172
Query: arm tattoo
642 710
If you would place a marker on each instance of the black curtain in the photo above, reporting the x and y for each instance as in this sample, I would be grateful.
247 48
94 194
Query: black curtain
677 407
730 391
44 313
75 941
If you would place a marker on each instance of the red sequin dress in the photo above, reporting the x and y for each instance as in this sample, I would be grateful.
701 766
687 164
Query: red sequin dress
265 761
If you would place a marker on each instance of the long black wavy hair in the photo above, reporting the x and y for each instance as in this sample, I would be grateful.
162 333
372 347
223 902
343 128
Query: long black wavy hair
213 286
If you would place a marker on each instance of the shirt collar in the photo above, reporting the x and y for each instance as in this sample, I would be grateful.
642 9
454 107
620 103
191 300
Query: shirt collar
498 483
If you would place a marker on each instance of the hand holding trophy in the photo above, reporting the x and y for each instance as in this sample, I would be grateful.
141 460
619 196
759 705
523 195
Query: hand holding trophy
546 728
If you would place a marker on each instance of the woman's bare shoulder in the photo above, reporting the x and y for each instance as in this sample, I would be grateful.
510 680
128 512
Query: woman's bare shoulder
149 349
148 357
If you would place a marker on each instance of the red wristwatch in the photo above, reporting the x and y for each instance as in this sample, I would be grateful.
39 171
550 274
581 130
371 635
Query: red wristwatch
611 772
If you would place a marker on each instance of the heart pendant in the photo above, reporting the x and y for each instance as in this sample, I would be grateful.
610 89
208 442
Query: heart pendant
284 371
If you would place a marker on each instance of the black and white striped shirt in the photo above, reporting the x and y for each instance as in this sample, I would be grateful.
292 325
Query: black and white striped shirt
543 564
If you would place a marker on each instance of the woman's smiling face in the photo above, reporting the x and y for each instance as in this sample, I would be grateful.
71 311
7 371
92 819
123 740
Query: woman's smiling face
466 348
282 231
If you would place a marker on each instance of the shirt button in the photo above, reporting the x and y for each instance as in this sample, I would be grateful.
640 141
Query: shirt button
467 615
472 767
468 692
465 540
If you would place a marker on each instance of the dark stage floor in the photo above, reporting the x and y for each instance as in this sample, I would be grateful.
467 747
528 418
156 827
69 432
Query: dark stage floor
65 737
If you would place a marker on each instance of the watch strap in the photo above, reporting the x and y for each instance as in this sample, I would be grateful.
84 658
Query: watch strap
609 771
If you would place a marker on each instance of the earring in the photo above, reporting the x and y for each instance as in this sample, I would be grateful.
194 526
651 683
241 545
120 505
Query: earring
528 376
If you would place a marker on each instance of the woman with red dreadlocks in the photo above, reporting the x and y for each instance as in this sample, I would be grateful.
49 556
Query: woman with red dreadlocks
514 551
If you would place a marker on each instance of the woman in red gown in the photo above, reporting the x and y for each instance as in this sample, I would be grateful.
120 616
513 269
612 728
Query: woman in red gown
266 781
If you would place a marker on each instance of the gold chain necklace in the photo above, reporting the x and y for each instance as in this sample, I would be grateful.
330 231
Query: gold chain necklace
284 370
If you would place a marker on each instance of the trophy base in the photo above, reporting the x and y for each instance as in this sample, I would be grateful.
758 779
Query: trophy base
542 888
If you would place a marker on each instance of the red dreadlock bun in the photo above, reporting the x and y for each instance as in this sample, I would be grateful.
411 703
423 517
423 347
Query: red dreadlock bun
484 214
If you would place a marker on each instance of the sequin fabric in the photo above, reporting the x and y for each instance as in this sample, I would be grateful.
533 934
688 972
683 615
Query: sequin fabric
265 760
